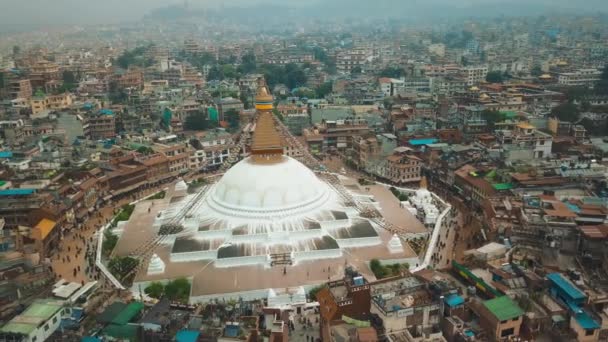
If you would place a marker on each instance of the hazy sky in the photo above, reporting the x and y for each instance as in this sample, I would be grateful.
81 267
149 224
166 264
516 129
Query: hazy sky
25 13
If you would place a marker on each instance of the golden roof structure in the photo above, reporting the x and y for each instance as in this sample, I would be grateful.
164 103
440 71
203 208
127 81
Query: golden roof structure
267 144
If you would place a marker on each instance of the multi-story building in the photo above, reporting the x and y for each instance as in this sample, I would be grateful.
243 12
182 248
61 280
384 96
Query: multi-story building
525 139
500 317
43 72
340 134
100 126
20 89
37 323
213 150
348 60
407 309
581 77
475 74
402 167
51 102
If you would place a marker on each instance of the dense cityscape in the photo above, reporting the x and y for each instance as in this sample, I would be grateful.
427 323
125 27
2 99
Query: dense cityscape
268 173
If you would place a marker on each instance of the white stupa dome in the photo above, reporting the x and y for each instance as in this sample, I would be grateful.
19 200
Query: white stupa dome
283 187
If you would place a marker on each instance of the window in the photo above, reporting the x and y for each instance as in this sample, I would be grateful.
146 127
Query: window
54 319
46 327
507 332
589 332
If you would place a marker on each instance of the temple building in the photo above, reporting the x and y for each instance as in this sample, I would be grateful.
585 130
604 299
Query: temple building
269 227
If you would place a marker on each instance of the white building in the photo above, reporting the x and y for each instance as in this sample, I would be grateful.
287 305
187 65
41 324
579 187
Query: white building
475 74
37 323
579 77
437 49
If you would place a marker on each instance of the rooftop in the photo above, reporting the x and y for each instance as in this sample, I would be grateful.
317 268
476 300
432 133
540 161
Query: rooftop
503 308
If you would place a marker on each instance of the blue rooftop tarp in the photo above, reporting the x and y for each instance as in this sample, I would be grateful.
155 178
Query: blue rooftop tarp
6 154
106 112
586 322
565 285
454 300
90 339
187 336
231 331
420 142
16 192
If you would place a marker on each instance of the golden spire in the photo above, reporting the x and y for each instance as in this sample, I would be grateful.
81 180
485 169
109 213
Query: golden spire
263 97
266 144
423 183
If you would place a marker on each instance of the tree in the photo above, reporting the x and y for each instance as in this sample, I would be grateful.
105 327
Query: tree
377 268
109 242
196 121
69 81
229 71
305 92
178 290
233 118
312 294
601 87
295 76
324 89
566 112
248 63
215 73
121 266
494 77
492 117
155 290
536 71
356 70
392 72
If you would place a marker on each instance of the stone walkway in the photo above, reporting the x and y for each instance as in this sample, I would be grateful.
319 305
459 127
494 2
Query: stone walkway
68 260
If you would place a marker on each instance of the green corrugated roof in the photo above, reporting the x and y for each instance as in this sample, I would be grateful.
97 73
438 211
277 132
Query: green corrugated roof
110 312
502 186
126 315
504 308
18 328
42 309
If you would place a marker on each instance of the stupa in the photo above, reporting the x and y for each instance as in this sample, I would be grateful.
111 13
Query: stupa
268 223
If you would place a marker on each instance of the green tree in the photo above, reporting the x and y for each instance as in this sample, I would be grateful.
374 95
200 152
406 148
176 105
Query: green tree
324 89
178 290
392 72
312 294
229 71
155 290
248 63
566 112
494 77
121 266
304 92
109 242
196 121
536 71
356 70
215 73
69 81
492 117
601 87
295 76
233 118
377 268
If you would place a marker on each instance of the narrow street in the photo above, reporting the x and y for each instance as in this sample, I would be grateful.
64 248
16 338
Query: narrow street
69 259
